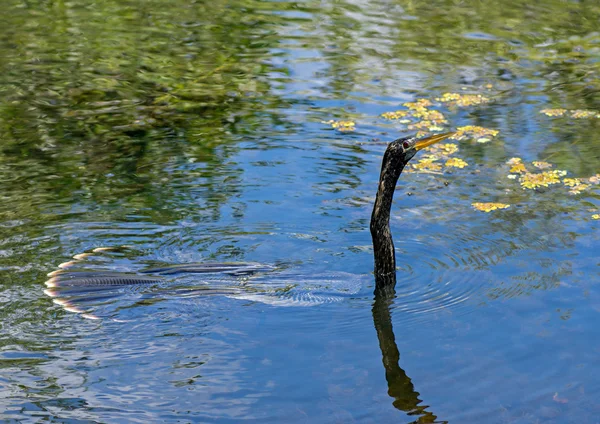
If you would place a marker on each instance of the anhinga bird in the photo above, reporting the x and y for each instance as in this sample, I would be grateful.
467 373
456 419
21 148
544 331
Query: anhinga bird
74 285
398 153
395 158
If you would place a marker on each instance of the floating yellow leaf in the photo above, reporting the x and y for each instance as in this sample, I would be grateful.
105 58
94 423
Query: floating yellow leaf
421 125
473 131
419 110
578 188
584 113
462 100
571 182
448 148
513 161
541 165
419 104
442 150
488 207
554 112
576 185
576 113
595 179
596 216
394 115
543 179
430 115
449 97
427 164
456 163
518 168
425 125
343 126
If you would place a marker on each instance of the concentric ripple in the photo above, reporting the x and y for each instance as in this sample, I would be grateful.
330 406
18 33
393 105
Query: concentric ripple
439 274
445 273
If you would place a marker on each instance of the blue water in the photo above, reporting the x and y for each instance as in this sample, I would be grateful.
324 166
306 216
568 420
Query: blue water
495 313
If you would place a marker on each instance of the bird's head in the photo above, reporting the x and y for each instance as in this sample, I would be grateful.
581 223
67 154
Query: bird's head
404 149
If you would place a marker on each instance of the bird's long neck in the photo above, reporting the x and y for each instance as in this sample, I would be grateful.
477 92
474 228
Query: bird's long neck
383 246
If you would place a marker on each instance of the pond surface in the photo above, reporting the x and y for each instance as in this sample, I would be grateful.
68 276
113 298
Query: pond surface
192 132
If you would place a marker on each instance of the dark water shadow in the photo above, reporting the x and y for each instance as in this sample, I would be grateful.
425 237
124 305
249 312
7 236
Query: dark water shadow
400 386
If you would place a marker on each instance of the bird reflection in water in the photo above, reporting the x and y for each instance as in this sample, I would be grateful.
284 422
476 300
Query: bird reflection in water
400 386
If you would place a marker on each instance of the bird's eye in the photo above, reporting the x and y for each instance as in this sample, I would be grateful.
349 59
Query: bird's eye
406 144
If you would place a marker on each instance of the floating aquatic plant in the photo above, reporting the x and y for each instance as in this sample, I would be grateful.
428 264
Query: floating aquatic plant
427 164
554 112
480 134
430 115
490 206
441 151
530 180
447 148
418 105
575 113
541 164
421 125
584 113
395 115
462 100
518 168
419 117
577 185
456 163
427 119
578 188
571 182
342 126
542 179
430 163
425 125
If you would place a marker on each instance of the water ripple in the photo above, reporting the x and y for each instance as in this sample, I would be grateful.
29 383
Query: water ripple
92 288
443 274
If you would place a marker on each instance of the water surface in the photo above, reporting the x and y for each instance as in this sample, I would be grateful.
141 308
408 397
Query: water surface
194 132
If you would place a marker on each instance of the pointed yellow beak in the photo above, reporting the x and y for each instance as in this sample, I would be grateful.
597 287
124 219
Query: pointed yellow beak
428 141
